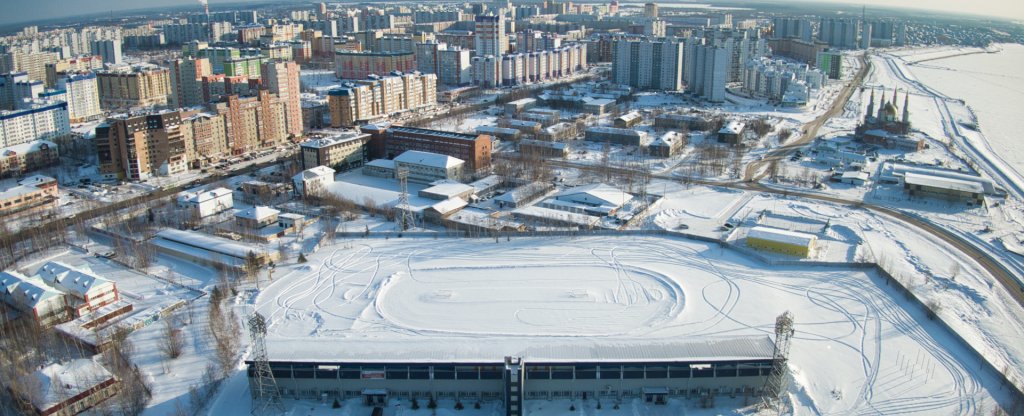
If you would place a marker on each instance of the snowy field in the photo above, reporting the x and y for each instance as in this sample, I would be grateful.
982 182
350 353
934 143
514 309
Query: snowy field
859 347
989 83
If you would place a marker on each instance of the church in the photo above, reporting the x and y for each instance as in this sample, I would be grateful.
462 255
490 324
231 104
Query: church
885 128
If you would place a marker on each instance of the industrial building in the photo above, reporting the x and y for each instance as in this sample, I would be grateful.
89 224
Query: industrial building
390 141
781 241
342 150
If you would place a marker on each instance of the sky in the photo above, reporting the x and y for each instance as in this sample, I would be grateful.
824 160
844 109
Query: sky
44 9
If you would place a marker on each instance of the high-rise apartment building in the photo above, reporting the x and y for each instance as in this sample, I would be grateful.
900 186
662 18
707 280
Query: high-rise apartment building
454 66
137 86
252 122
490 35
187 81
377 98
282 78
82 95
839 32
139 147
108 49
360 65
648 64
42 120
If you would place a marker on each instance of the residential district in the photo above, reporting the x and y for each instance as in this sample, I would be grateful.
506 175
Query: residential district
505 208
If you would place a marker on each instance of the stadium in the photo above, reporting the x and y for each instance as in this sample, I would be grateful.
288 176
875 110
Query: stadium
606 319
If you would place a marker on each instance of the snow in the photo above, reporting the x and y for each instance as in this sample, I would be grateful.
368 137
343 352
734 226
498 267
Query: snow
783 236
59 381
416 157
397 299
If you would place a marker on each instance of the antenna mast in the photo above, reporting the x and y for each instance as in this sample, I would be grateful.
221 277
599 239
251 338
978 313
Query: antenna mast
776 383
266 395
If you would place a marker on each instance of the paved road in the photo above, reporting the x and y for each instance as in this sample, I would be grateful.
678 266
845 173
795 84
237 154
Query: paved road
809 130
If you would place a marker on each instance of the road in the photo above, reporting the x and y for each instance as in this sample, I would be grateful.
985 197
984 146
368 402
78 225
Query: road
810 130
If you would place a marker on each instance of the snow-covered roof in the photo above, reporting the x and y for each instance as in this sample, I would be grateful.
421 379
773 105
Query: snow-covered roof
200 197
732 127
488 182
26 291
76 281
36 180
615 130
257 213
449 189
382 163
416 157
630 116
940 182
208 242
555 351
496 130
668 139
449 205
856 174
17 191
542 143
782 236
314 172
59 381
557 215
26 148
597 194
524 192
337 138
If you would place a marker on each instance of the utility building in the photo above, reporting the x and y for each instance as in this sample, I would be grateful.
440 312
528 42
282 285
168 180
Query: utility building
781 241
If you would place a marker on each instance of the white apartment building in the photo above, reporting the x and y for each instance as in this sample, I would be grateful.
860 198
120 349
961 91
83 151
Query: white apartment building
47 120
83 96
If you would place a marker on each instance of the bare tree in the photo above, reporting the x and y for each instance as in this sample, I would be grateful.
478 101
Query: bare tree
171 340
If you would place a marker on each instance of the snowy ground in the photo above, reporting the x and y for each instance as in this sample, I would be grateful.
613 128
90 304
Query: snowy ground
854 336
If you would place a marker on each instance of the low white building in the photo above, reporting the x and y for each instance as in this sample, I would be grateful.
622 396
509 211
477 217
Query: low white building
426 167
596 199
312 181
206 203
256 217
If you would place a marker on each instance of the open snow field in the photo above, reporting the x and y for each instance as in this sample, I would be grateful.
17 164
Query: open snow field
990 83
859 348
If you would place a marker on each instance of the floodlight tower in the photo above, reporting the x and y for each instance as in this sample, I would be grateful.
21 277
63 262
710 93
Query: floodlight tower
405 218
775 385
266 395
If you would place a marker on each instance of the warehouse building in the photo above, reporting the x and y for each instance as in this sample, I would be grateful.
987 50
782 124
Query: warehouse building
781 241
952 189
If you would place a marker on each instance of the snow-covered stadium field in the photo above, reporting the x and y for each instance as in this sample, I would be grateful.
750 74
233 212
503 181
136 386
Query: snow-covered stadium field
859 346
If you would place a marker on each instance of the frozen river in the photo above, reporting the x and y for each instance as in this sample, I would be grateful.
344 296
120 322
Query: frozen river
991 84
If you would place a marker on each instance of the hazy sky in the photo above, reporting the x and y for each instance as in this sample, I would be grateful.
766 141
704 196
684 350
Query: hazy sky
21 11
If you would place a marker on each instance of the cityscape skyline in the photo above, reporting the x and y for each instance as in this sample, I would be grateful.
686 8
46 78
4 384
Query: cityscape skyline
56 9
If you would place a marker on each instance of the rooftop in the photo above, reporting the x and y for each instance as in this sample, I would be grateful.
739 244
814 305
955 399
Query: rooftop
257 213
416 157
782 236
491 350
337 138
951 184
